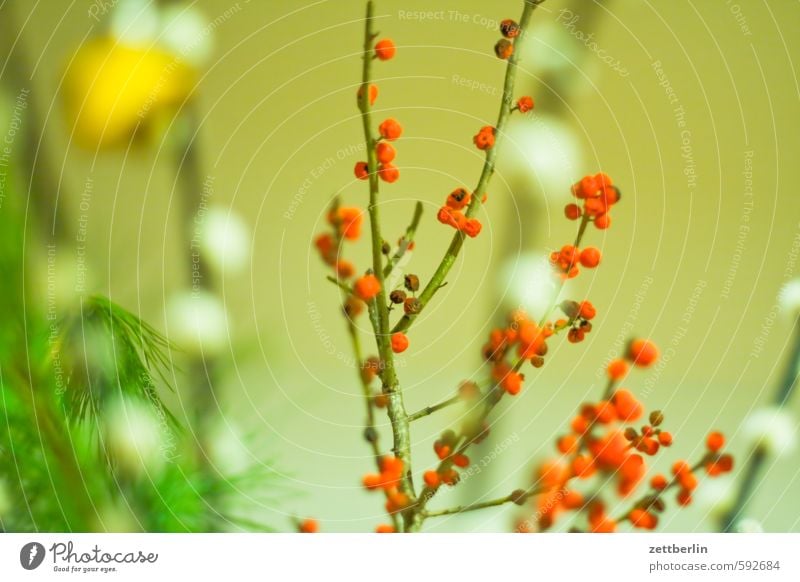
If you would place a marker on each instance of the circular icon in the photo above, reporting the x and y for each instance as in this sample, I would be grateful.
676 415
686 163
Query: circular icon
31 555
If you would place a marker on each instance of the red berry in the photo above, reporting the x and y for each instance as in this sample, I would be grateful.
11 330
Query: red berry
385 49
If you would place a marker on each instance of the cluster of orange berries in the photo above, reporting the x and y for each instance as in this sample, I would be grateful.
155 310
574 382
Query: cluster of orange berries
452 459
640 352
346 223
390 129
530 341
388 480
452 213
579 316
505 47
598 194
645 513
569 257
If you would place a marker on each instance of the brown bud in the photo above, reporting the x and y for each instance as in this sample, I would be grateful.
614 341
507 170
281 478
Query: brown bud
412 306
518 496
570 308
631 434
412 283
370 434
385 248
656 418
397 296
537 361
468 390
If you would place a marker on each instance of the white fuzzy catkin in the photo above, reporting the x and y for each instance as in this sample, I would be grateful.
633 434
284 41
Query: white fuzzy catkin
187 34
135 22
717 496
749 525
225 240
545 151
134 437
789 298
772 428
527 282
196 322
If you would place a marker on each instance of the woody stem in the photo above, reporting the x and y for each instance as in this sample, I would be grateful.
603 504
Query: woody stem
506 104
511 497
379 311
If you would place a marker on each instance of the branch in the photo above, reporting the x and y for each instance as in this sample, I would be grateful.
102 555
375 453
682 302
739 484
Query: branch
506 105
517 497
431 409
406 242
379 311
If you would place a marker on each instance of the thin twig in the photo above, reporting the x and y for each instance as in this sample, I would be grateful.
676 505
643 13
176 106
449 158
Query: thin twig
506 105
514 497
406 242
379 311
436 407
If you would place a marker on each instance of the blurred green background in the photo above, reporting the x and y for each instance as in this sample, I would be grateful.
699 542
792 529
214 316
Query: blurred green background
704 238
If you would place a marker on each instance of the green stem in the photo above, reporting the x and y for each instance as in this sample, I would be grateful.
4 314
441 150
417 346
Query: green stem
431 409
513 497
379 311
406 242
449 259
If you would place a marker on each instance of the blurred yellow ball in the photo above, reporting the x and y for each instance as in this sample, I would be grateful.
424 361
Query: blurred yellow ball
114 91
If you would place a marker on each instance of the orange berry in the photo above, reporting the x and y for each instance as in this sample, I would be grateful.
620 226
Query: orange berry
715 441
590 257
345 269
658 482
643 519
458 199
572 211
509 28
572 500
642 353
461 461
617 369
385 152
684 497
525 104
372 481
390 129
587 310
629 409
471 227
384 528
367 287
665 438
431 479
388 173
308 526
602 221
567 444
373 93
484 139
385 49
503 49
361 170
399 342
579 425
512 383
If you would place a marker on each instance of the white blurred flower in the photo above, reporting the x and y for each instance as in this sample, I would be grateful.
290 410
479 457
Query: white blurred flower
772 428
135 22
749 525
225 240
789 297
716 497
196 321
187 34
527 282
545 151
552 50
134 437
228 450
